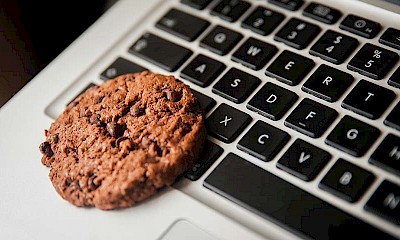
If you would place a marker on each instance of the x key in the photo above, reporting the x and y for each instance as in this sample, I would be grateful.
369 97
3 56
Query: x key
226 123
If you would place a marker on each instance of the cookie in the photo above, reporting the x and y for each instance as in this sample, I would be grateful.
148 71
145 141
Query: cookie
122 141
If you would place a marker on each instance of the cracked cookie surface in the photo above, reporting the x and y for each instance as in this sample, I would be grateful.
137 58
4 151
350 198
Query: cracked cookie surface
120 142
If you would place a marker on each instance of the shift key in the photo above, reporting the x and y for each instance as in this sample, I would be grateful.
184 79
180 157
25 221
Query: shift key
159 51
285 204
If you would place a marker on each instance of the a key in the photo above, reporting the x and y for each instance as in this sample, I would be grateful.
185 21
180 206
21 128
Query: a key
360 26
119 67
292 5
303 160
197 4
161 52
230 10
272 101
328 83
290 68
385 202
391 38
297 33
271 197
236 85
334 47
205 102
202 70
221 40
393 119
311 118
373 61
254 54
347 181
263 141
226 123
368 99
181 24
263 21
387 155
352 136
394 80
322 13
210 153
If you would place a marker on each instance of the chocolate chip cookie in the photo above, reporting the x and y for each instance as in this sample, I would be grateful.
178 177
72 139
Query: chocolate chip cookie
120 142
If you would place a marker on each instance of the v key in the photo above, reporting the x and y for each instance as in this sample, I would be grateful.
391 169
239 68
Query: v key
303 160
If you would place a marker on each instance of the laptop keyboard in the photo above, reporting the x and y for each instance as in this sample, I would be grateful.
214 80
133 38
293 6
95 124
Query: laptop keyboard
296 90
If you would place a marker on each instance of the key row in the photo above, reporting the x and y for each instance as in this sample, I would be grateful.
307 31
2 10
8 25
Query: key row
372 61
263 20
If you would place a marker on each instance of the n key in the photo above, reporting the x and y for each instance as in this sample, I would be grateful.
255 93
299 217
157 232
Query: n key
368 99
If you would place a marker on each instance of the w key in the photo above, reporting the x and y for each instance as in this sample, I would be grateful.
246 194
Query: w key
368 99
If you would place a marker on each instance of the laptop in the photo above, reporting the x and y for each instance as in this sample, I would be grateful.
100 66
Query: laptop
302 102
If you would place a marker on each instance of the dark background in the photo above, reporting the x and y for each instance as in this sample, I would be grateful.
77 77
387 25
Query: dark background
33 33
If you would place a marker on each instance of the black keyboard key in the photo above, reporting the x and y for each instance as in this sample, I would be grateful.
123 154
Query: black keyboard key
230 10
197 4
311 118
163 53
391 38
202 70
119 67
328 83
210 153
303 160
322 13
352 136
347 180
205 102
387 155
368 99
263 21
221 40
226 123
297 33
292 5
272 101
393 119
334 47
274 198
360 26
254 54
394 80
290 68
181 24
236 85
385 202
373 61
263 141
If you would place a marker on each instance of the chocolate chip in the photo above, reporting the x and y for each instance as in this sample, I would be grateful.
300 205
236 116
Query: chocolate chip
95 119
92 182
119 140
114 129
56 138
136 111
172 95
98 99
45 148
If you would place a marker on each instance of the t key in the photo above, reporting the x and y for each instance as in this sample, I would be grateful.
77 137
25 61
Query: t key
373 61
368 99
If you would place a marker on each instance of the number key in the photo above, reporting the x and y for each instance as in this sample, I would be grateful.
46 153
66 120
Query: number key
373 61
297 33
334 47
263 21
